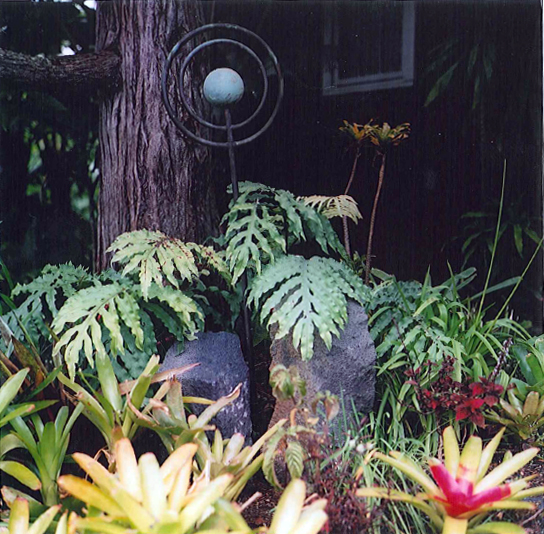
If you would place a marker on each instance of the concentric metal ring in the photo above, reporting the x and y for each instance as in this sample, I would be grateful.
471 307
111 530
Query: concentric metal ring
176 50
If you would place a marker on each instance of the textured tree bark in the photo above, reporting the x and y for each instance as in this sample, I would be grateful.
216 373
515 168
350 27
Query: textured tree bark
76 72
151 176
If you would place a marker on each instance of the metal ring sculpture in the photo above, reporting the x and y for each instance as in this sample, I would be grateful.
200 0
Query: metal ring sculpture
176 50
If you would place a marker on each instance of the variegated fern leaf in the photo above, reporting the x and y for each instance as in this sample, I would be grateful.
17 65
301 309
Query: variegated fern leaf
302 296
156 257
264 222
107 307
338 206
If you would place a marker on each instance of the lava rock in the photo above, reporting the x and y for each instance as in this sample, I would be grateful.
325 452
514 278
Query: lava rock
222 367
347 370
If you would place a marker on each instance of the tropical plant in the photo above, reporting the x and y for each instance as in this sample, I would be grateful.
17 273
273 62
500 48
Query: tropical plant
530 357
159 279
230 456
19 520
338 206
415 327
523 415
114 410
43 296
8 442
357 134
168 417
302 296
148 498
461 494
465 400
382 137
47 444
263 223
289 445
16 352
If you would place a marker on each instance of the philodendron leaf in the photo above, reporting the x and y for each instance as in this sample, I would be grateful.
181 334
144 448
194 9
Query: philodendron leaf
301 296
89 309
155 256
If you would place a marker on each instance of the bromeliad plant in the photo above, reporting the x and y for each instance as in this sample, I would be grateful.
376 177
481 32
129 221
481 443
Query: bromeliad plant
114 410
47 444
459 495
523 415
19 520
10 441
145 497
230 456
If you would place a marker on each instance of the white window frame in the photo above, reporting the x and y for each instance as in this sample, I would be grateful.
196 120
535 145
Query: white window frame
334 84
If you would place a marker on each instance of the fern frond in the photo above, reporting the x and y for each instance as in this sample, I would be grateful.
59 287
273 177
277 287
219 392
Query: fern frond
264 222
190 316
86 310
154 254
301 295
116 308
46 293
252 236
338 206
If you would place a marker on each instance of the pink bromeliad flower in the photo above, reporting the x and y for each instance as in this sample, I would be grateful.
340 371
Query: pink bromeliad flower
460 494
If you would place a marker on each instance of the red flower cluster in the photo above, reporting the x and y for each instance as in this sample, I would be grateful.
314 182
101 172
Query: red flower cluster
466 399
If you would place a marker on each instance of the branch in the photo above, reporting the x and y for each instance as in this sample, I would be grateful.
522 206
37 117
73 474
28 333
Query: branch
80 71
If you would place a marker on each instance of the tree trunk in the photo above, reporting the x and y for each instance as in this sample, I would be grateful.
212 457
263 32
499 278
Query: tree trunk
151 176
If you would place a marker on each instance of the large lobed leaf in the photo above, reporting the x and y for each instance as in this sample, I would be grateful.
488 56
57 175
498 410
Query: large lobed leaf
301 295
155 256
44 295
109 304
264 222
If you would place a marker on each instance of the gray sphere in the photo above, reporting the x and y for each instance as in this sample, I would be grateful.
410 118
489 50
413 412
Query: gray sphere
223 87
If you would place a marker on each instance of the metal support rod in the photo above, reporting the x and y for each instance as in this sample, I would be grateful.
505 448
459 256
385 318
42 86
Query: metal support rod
248 349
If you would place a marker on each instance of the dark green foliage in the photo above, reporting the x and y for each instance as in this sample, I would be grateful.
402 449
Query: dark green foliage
415 324
47 145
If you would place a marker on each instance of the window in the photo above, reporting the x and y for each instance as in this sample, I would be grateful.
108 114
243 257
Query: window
369 47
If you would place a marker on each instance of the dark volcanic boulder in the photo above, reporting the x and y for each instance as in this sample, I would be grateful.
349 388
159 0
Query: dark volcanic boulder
347 370
222 368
